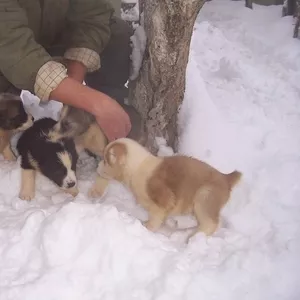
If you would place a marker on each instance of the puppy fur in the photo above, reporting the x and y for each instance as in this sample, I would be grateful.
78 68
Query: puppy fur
167 186
82 127
55 160
13 119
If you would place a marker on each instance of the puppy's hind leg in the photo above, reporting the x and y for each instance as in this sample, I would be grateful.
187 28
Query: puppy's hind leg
27 190
162 202
157 217
207 205
5 147
8 154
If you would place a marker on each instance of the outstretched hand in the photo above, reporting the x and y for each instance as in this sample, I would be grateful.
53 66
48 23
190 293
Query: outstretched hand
113 119
110 115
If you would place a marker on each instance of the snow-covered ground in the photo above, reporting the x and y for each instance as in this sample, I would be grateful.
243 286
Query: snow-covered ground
241 110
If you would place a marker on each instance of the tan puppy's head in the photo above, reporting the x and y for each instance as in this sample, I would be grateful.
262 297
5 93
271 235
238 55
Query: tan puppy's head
72 122
121 158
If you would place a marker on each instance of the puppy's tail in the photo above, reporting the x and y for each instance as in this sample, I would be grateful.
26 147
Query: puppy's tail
233 178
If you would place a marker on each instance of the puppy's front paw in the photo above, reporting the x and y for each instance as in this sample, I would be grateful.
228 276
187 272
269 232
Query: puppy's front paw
94 192
172 223
99 187
10 158
150 225
72 191
26 195
146 224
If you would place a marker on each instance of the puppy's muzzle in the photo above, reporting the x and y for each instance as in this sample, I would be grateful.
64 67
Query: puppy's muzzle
70 181
71 184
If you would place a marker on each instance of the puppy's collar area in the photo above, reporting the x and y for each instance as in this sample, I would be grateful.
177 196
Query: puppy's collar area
130 171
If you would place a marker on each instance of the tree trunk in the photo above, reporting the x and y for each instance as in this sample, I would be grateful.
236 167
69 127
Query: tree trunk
159 89
297 15
248 3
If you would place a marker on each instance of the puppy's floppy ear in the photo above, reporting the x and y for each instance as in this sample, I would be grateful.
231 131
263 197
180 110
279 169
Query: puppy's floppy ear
115 154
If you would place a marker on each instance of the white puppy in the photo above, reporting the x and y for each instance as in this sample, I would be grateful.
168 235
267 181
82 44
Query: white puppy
166 186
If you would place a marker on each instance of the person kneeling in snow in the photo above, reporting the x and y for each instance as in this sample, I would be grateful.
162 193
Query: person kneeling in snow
50 47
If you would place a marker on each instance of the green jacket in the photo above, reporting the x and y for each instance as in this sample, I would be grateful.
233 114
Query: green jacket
28 27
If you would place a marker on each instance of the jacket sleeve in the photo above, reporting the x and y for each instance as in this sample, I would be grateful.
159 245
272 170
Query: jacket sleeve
24 62
88 31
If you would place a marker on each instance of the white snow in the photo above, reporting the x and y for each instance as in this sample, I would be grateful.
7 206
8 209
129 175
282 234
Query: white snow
241 110
163 148
138 42
132 14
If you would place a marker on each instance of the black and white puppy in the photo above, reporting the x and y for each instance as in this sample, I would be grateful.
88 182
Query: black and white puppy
56 160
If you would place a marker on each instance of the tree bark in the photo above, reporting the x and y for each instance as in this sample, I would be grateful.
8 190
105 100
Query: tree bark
248 3
159 89
297 16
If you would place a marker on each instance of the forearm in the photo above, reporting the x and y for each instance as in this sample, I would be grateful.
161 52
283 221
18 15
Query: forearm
76 70
110 116
72 92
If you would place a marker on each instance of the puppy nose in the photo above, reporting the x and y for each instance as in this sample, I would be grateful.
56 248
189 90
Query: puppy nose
71 184
32 118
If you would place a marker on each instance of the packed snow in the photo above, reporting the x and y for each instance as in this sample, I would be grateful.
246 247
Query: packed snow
241 111
130 10
132 14
138 44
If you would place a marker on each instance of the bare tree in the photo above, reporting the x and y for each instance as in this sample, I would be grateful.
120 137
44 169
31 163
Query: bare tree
297 16
248 3
159 89
292 8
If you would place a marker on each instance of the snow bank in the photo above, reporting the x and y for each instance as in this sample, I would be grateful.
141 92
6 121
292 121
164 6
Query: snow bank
241 110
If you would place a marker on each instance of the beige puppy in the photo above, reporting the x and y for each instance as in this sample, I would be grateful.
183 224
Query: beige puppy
81 126
167 186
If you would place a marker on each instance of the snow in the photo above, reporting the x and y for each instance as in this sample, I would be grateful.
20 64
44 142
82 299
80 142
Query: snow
163 148
132 14
138 42
241 111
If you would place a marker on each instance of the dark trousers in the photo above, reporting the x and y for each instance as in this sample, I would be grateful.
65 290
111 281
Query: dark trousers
115 62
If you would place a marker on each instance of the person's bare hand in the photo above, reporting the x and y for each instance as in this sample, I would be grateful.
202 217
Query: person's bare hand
110 115
76 70
112 119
